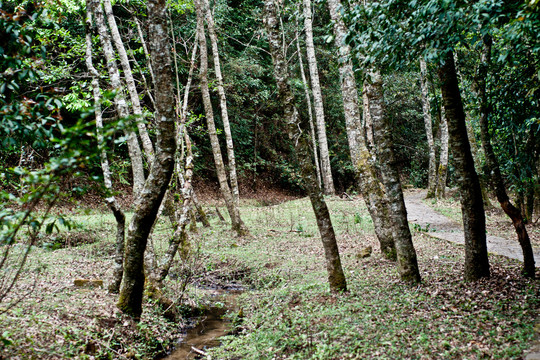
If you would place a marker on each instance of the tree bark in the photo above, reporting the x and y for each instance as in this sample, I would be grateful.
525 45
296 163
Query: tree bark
472 206
119 100
310 111
128 76
326 170
494 169
369 185
237 223
426 108
233 178
119 216
442 170
406 254
336 277
148 203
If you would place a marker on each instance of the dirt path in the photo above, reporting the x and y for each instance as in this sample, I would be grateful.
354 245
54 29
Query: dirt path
443 228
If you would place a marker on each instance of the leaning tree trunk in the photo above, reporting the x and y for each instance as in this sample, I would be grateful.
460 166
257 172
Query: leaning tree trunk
233 178
237 223
442 169
370 186
148 203
326 170
119 100
119 216
426 108
406 254
336 277
309 110
128 76
472 206
493 166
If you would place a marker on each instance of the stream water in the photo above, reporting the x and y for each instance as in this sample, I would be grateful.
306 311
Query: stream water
208 329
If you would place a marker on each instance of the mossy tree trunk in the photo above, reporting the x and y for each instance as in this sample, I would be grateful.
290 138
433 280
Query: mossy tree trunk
472 205
406 254
369 185
336 277
492 163
148 203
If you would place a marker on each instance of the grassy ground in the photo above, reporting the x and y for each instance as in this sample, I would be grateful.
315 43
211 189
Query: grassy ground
287 310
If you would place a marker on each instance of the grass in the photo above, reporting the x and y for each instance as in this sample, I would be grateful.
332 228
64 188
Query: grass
287 311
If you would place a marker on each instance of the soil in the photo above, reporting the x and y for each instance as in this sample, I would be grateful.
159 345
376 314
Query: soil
441 227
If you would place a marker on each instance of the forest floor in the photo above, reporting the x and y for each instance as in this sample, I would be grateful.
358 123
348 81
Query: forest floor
285 310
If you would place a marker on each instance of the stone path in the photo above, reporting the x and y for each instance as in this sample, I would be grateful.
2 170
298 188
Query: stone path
444 228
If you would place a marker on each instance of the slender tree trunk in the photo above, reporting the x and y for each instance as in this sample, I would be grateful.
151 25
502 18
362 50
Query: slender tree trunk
426 108
145 49
336 277
472 206
493 165
326 170
369 185
237 223
179 238
128 76
310 111
148 203
119 216
233 178
120 101
442 170
406 255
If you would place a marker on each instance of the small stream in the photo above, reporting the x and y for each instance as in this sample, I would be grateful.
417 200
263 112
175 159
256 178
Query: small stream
210 327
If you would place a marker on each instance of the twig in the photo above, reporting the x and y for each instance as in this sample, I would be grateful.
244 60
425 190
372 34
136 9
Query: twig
200 352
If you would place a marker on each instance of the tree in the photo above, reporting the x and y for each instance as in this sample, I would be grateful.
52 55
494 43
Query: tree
472 205
233 178
406 254
493 165
113 205
336 277
119 100
426 108
370 187
148 203
236 220
326 170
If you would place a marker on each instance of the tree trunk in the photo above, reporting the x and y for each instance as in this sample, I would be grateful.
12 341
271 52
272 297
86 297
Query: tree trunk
148 203
406 255
442 170
310 111
472 206
336 277
370 187
128 76
426 108
493 166
326 170
237 223
233 178
120 101
119 216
